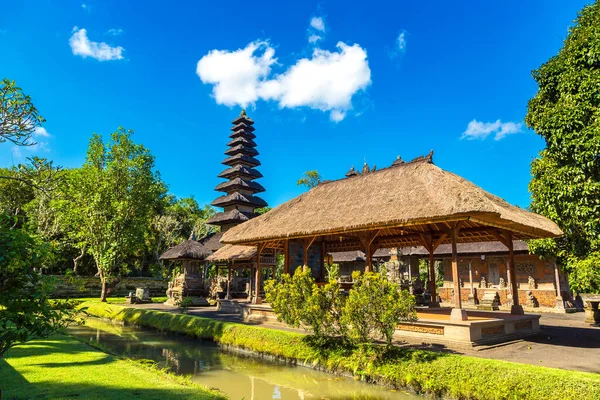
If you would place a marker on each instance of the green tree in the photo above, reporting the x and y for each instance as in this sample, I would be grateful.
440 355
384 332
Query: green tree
565 183
25 308
111 202
310 179
18 116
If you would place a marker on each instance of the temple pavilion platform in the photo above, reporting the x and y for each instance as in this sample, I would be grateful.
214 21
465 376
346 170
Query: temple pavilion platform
435 326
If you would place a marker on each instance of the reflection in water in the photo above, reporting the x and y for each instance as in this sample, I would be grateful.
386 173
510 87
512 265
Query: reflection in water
236 375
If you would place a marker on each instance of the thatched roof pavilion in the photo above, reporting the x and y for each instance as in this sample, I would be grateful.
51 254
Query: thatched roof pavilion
406 204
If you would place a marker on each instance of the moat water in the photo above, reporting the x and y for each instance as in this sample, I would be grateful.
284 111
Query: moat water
238 376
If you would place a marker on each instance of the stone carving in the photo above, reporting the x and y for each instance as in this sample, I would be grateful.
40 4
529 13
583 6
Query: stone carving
502 283
483 283
531 282
525 268
531 300
490 301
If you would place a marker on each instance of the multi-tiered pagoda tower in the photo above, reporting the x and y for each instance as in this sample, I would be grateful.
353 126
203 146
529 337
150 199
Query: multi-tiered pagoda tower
239 201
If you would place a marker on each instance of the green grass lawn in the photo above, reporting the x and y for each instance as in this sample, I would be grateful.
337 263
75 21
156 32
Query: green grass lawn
63 368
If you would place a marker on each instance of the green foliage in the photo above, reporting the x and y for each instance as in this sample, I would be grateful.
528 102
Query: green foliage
184 304
18 116
299 302
439 374
310 179
376 307
565 183
25 310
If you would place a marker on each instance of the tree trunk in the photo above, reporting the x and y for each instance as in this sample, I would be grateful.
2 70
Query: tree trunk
76 260
104 285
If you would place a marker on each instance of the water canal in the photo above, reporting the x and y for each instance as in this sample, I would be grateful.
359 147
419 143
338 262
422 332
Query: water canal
237 375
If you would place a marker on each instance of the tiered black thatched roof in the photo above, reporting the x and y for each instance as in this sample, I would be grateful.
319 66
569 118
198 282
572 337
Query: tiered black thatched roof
239 201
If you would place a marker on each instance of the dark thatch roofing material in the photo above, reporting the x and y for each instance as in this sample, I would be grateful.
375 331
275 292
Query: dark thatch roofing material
239 183
241 140
188 250
238 198
416 194
212 242
241 159
357 255
228 217
242 171
519 246
241 149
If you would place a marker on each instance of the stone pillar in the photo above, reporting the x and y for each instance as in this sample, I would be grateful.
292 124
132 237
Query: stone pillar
458 314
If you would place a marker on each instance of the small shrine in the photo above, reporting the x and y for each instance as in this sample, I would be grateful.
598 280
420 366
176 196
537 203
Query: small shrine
189 282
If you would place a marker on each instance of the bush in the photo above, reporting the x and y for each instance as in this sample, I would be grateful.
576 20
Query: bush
298 301
375 306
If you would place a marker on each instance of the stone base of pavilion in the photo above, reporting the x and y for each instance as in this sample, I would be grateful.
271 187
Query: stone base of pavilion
437 327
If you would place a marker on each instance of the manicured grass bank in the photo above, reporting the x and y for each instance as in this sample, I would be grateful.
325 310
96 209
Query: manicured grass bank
63 368
445 375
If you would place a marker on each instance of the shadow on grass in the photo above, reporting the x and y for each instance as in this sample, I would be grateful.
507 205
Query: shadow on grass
13 385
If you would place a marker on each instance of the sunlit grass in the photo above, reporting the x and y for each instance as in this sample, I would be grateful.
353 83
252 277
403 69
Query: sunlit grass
63 368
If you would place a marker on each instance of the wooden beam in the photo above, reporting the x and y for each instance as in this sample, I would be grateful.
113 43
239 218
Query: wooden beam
366 241
306 243
286 257
439 241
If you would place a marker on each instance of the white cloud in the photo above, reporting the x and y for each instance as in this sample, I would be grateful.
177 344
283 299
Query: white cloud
40 131
83 5
318 23
327 81
481 130
314 38
237 75
114 32
82 46
402 41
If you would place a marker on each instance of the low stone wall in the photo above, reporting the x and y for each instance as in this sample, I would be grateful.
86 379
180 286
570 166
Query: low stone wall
90 286
545 298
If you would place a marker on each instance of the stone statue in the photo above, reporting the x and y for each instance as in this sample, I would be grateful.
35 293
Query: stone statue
502 283
483 283
531 300
531 282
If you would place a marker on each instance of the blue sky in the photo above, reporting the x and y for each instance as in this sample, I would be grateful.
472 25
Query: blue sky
329 83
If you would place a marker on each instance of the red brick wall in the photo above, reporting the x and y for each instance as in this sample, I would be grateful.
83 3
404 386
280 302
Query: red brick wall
545 298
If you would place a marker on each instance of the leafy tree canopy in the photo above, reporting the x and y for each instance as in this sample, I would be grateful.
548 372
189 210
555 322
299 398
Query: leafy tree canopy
18 116
565 183
310 179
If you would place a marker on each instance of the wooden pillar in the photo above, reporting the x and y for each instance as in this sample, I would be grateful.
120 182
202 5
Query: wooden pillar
560 304
229 276
557 277
367 240
458 314
286 257
306 243
257 299
515 308
432 286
